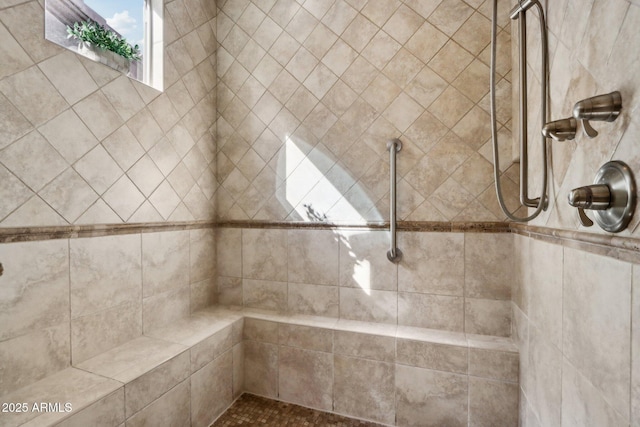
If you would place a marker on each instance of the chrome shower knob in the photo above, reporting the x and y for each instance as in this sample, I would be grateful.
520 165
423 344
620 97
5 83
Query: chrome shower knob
561 130
612 197
604 108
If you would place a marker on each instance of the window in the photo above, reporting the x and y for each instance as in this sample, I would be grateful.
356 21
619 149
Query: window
123 34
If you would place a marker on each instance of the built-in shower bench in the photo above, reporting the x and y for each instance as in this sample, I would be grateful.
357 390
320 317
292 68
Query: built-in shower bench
386 373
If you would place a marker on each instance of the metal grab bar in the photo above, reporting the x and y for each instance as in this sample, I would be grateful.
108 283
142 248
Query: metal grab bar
394 254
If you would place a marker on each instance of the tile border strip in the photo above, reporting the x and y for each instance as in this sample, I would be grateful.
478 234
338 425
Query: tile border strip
618 247
30 234
417 226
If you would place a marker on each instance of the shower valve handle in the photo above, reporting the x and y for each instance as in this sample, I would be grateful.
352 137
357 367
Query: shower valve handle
596 197
605 108
612 197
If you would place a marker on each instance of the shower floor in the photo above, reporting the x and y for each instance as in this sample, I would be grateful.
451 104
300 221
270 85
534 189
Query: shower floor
250 410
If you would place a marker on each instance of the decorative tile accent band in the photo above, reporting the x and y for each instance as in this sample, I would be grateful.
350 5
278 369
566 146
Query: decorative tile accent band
618 247
31 234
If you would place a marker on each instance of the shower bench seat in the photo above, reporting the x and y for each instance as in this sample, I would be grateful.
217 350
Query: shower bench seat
199 365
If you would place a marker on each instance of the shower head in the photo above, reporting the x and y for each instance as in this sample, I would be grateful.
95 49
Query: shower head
522 6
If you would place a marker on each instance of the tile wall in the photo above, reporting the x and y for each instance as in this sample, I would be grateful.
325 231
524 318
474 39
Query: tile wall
310 91
450 281
65 301
376 374
576 323
593 49
82 144
576 314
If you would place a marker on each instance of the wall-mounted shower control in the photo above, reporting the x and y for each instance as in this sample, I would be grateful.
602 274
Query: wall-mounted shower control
612 197
604 108
561 130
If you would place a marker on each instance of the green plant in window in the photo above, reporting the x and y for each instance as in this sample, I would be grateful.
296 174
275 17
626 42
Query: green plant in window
99 36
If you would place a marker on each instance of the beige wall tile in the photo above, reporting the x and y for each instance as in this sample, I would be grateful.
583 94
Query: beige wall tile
312 257
261 368
545 297
544 378
368 305
108 411
364 389
69 194
33 356
492 403
34 172
211 390
317 300
238 370
201 250
75 386
96 333
203 294
305 377
305 337
523 266
364 263
229 290
229 252
68 76
587 339
17 58
497 365
28 85
165 308
430 398
367 346
260 330
440 357
487 317
488 267
35 286
582 403
265 294
105 272
152 385
165 262
263 254
171 408
210 348
432 263
431 311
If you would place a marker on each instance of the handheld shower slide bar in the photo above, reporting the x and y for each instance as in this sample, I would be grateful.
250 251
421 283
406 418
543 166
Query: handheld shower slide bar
519 13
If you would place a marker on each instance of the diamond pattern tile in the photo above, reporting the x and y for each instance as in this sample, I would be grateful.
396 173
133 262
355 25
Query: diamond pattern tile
69 195
289 78
344 77
97 147
98 169
35 171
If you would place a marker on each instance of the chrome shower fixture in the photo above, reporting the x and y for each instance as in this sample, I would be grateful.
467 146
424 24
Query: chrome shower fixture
611 197
561 130
538 203
604 108
522 6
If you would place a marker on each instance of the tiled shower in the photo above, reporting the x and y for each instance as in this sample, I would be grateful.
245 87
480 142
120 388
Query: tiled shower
257 180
